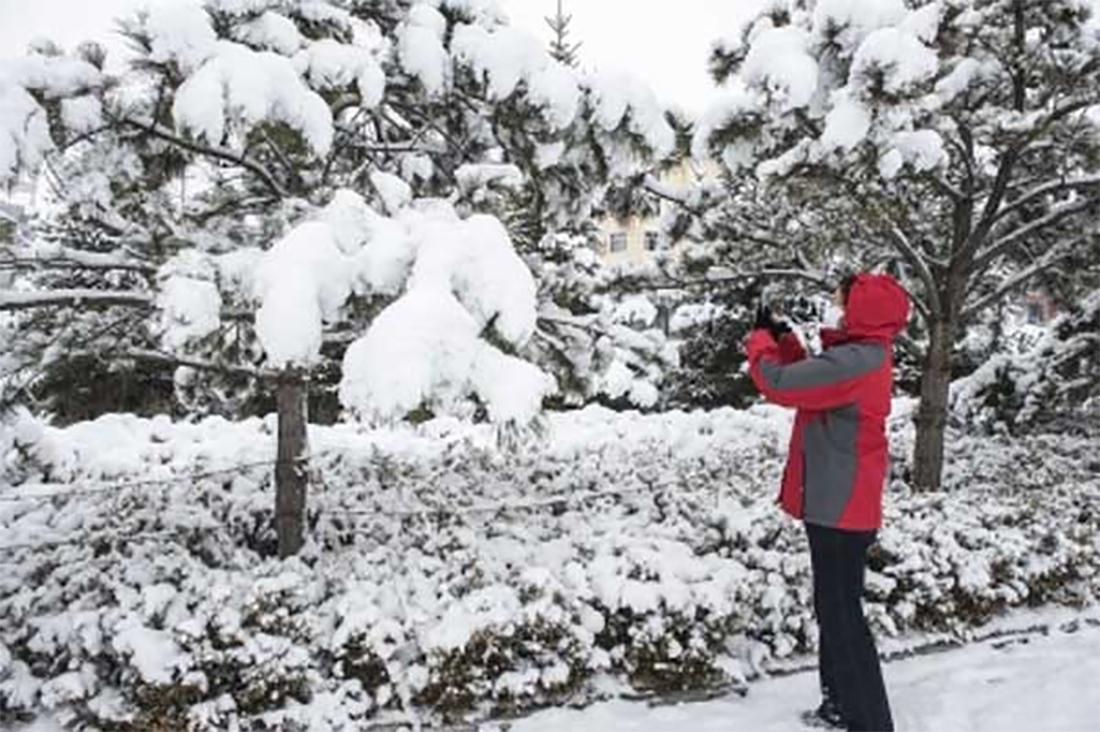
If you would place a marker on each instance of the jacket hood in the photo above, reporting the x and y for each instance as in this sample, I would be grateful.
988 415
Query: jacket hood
878 308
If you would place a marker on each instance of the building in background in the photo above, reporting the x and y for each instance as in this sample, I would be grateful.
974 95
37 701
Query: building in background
17 200
1039 307
634 239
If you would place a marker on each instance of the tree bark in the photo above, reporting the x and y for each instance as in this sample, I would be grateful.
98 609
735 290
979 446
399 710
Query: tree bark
932 416
291 475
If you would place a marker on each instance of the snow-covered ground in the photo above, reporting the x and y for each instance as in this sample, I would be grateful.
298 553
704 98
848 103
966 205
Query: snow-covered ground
1029 683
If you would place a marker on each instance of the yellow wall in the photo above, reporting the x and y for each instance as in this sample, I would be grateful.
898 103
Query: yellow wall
635 228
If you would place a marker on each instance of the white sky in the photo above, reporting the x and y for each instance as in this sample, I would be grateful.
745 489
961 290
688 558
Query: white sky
666 43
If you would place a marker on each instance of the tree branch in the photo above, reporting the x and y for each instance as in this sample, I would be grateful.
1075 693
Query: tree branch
656 188
217 153
1055 186
920 305
13 300
197 364
68 258
283 158
943 186
992 204
1021 278
571 321
965 146
997 248
911 255
719 279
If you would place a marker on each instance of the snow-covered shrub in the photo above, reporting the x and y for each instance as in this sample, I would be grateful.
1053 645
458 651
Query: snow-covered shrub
445 578
513 647
1056 382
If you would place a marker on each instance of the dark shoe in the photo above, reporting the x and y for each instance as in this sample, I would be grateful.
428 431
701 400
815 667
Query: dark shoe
826 716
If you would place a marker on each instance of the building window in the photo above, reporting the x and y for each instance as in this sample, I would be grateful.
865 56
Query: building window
652 241
1034 313
618 242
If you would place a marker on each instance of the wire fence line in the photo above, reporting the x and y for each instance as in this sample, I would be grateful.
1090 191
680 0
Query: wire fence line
107 486
557 501
89 537
49 491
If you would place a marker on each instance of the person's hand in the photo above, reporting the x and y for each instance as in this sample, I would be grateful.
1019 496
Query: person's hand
767 320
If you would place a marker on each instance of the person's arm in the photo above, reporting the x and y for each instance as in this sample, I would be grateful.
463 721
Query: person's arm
791 349
828 381
831 337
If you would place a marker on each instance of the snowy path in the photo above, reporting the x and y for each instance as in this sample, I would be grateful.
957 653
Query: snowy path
1028 684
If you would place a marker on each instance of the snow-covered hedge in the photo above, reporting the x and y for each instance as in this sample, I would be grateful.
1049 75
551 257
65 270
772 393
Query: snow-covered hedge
447 578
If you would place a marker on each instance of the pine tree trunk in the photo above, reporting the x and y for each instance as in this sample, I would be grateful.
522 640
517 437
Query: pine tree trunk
932 417
291 475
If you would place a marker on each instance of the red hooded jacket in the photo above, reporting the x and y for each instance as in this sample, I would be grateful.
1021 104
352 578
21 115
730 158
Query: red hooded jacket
838 452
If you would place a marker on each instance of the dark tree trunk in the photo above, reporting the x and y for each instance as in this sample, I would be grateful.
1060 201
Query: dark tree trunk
291 474
932 417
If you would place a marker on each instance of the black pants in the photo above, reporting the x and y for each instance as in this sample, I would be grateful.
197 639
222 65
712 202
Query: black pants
850 671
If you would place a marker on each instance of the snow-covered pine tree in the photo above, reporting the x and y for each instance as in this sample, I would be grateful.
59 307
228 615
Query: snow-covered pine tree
954 143
336 160
562 48
601 326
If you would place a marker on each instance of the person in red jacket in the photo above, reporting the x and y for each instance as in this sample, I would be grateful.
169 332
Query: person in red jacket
835 473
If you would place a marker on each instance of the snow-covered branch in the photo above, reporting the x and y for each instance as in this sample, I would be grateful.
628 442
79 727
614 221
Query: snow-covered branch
12 300
993 210
217 153
1060 113
666 193
571 321
722 277
918 303
1000 246
69 258
916 259
1056 186
944 186
197 364
1021 278
979 233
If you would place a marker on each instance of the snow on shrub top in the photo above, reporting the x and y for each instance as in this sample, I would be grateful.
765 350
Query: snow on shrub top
240 86
618 95
466 278
272 31
420 47
181 32
779 64
507 56
332 65
303 281
853 20
24 127
498 607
